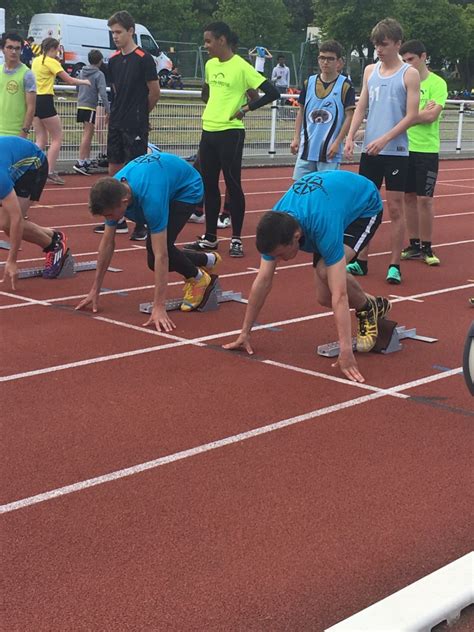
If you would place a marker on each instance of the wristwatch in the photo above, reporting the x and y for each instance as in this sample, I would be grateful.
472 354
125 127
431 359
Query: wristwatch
26 130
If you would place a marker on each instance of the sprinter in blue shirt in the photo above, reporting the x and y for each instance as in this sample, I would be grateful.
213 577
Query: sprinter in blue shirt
161 191
23 174
332 215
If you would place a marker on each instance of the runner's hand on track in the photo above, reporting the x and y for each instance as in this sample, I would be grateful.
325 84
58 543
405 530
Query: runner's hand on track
92 297
160 319
242 342
348 365
10 272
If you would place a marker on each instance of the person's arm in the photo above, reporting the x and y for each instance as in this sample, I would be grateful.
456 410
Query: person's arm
153 93
295 143
412 83
11 207
258 295
429 114
274 75
268 54
359 113
102 90
72 81
30 100
205 92
104 257
334 148
159 316
337 281
270 93
253 52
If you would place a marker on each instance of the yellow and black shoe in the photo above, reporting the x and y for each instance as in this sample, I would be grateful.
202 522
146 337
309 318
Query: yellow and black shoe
196 292
367 322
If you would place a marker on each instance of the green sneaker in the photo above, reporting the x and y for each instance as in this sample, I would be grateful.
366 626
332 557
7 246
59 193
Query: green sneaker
429 257
411 252
394 276
355 269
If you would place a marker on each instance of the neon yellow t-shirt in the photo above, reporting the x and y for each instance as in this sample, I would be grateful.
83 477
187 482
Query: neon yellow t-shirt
424 137
45 73
228 82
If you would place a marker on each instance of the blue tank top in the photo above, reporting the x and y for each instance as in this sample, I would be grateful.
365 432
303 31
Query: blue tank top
387 107
322 121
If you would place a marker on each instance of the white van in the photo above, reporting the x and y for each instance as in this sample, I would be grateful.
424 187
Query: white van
78 35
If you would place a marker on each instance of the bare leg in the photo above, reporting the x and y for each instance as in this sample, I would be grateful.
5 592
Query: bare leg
41 135
356 295
425 209
55 130
32 233
411 216
86 141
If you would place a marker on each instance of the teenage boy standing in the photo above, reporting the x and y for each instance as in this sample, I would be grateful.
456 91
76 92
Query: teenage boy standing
327 104
423 143
390 91
132 73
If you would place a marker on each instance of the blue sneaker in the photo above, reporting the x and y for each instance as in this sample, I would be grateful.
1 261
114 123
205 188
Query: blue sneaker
355 269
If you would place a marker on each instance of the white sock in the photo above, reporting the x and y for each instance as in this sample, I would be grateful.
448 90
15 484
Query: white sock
198 275
211 259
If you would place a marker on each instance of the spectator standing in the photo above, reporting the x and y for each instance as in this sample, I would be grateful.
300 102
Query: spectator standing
326 107
17 90
228 78
134 80
390 91
423 159
87 101
281 75
261 54
46 121
27 52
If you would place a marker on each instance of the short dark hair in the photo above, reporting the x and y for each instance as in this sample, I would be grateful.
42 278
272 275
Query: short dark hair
105 195
388 28
275 228
30 39
123 18
221 29
14 37
281 57
95 56
331 46
415 47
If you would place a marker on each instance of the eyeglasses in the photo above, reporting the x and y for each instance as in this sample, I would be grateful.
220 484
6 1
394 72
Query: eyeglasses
322 58
15 48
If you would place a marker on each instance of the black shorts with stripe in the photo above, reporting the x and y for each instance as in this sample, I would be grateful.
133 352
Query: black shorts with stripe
422 173
85 115
358 234
31 183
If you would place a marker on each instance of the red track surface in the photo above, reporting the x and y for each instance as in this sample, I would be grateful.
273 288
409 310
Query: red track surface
294 528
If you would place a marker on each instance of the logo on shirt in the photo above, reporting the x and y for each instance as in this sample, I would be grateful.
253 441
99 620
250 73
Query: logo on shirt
12 87
218 79
308 185
320 116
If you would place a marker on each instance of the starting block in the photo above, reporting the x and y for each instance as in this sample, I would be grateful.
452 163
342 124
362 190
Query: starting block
388 340
216 297
5 245
69 269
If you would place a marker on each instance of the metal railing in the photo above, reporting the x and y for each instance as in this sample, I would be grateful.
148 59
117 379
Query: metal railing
175 126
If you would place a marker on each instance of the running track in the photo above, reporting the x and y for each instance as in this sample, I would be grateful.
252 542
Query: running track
156 482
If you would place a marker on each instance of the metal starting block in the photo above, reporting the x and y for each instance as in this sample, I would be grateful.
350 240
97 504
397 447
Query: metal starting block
216 297
388 339
69 269
5 245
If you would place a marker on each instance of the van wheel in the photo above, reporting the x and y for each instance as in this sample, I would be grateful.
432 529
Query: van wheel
76 70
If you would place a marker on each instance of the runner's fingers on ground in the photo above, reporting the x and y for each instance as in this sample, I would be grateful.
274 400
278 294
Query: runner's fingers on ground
90 299
10 272
160 320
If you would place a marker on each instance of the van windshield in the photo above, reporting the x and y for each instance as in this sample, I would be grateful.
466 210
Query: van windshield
149 44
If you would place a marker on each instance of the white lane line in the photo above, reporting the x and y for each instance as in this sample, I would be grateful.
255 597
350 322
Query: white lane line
214 445
462 186
247 272
415 300
193 341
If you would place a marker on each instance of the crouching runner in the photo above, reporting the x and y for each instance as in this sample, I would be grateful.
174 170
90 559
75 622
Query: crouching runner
23 174
333 215
161 191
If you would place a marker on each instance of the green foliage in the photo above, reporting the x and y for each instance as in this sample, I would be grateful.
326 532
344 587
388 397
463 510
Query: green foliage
263 23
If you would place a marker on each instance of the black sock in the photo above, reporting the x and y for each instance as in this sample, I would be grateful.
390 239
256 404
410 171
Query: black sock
415 242
56 237
394 265
210 237
363 264
426 245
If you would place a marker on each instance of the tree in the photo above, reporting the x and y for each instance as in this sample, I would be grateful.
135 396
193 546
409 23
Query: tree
263 23
18 12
